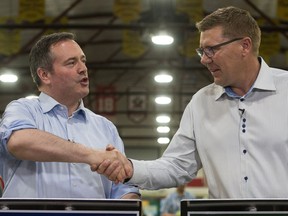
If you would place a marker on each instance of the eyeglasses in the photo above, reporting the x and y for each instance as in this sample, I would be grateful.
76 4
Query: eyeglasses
209 51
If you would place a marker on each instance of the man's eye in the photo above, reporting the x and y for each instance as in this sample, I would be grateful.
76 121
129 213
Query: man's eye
208 49
71 63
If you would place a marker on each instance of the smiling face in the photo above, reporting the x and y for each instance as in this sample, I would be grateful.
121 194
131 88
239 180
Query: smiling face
226 62
68 82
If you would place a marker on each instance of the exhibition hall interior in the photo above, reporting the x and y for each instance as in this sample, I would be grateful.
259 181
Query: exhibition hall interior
138 81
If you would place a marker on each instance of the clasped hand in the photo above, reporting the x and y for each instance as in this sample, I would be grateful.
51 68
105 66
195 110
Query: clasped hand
116 167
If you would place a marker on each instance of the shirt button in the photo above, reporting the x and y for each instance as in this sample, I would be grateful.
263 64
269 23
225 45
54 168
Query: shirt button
243 125
243 131
242 99
244 151
244 119
245 178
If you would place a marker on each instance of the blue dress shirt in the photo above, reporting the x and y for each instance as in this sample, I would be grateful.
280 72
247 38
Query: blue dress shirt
171 204
30 179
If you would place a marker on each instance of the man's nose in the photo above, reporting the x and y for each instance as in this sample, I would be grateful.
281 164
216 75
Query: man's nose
205 59
83 68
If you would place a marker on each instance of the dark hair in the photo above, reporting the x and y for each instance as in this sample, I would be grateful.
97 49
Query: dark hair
40 55
236 23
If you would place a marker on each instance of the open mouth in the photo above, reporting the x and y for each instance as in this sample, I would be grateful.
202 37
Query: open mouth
84 81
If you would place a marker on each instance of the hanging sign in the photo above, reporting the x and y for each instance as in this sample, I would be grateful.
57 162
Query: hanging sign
105 100
9 39
137 105
31 10
127 10
282 10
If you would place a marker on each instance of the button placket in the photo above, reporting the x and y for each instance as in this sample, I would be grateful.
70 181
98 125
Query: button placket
243 128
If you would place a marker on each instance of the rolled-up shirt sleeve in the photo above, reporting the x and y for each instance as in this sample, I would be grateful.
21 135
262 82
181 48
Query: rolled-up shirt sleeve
15 117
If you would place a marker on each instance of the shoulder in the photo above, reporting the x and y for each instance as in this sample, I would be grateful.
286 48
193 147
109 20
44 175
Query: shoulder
209 89
209 92
24 104
279 72
276 72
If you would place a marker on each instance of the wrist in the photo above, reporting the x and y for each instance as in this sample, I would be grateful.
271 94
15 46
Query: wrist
130 174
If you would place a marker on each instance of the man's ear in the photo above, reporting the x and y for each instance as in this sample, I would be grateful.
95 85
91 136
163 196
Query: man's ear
43 75
247 44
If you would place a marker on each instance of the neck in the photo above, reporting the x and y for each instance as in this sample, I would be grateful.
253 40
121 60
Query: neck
248 76
72 105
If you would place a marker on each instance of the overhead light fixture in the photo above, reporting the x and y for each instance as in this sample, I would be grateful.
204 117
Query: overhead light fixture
31 96
163 78
163 100
163 129
163 119
162 38
8 78
163 140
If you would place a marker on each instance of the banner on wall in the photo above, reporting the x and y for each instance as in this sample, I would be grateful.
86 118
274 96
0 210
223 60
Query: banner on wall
132 44
105 100
32 10
282 10
127 10
137 105
9 38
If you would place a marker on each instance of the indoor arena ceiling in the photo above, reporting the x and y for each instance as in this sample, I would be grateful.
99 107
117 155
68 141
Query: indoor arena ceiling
122 61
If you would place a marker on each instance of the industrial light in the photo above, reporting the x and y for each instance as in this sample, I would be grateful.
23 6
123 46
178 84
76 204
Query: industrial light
163 119
163 78
162 38
31 96
8 78
163 100
163 129
163 140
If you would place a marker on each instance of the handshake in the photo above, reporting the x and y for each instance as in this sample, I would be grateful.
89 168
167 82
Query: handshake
114 165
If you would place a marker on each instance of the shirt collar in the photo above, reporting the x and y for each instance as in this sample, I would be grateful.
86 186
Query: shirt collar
264 82
47 103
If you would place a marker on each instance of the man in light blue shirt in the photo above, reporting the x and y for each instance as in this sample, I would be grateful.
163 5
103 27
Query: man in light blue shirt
170 205
48 144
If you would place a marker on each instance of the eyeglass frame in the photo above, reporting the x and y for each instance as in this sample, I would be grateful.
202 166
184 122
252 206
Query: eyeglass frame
201 51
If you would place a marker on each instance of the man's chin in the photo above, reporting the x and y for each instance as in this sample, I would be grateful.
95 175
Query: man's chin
217 81
84 93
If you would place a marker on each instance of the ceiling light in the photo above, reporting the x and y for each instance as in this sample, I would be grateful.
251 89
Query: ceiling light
163 100
163 140
163 78
163 119
162 38
31 96
163 129
8 78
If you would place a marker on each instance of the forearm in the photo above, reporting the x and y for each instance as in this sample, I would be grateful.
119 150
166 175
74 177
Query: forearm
37 145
